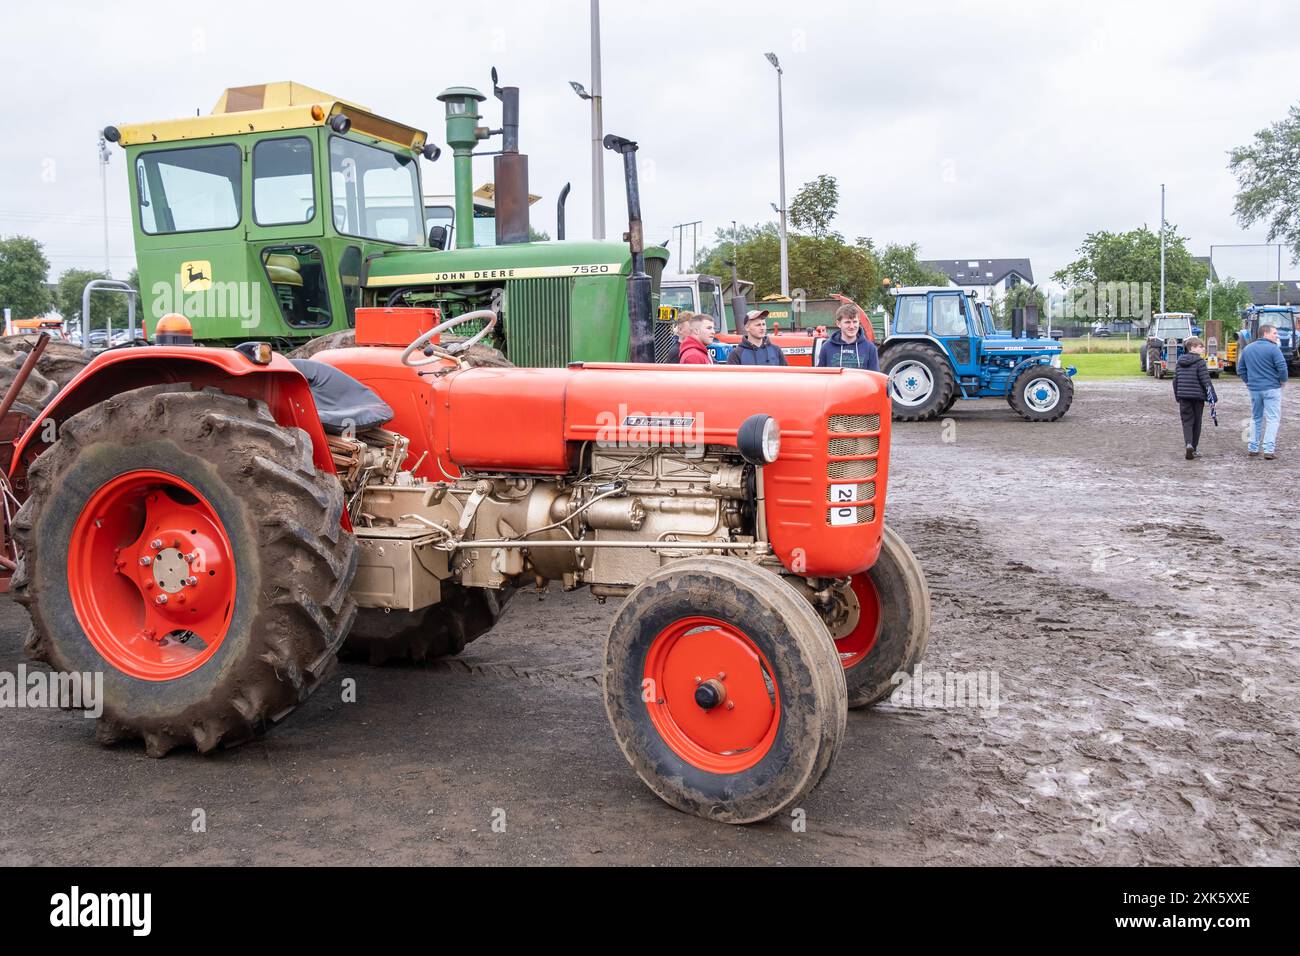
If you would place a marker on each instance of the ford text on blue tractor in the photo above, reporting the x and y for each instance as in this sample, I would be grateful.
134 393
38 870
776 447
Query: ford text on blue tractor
942 346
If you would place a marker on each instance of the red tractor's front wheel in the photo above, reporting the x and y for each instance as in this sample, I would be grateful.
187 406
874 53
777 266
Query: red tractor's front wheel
184 545
886 624
722 689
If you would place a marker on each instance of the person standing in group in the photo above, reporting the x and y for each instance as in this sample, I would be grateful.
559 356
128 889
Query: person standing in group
848 347
682 329
1192 390
756 348
695 347
1262 368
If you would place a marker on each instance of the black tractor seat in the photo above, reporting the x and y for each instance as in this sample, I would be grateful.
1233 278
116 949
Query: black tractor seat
343 403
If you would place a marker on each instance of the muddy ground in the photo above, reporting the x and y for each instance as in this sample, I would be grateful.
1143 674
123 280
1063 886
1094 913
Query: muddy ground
1137 609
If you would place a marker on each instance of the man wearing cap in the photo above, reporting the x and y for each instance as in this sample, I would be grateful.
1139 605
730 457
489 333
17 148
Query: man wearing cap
848 347
755 348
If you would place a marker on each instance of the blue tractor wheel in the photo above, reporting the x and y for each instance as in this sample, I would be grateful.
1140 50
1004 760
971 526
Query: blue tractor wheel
1042 393
921 383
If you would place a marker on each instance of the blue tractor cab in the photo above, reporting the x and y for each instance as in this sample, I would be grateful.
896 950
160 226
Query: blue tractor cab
942 346
1283 318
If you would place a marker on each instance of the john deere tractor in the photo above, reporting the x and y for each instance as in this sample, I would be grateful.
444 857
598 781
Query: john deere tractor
284 211
207 528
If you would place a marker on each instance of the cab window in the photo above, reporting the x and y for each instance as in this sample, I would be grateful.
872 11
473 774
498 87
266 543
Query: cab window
911 315
282 182
375 194
949 317
677 296
189 190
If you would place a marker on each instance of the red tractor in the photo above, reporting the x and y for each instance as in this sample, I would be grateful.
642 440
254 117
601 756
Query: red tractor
209 528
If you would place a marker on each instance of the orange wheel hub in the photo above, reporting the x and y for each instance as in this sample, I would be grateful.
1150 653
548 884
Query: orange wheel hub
856 646
151 573
711 695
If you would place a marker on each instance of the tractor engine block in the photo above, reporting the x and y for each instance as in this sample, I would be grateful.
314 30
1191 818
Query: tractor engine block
628 511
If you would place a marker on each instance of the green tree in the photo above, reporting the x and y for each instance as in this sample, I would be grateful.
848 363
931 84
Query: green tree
23 271
815 206
1268 174
1019 296
1230 298
1134 257
104 306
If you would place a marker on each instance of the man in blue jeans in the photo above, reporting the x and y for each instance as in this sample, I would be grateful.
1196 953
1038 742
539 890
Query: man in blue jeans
1262 367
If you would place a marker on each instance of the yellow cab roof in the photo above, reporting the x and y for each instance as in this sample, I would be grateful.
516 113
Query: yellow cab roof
267 107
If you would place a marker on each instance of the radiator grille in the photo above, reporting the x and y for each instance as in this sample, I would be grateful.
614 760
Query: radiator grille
858 491
854 423
851 469
537 321
855 446
665 343
863 514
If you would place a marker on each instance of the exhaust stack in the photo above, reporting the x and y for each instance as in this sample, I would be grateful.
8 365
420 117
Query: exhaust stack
641 337
510 171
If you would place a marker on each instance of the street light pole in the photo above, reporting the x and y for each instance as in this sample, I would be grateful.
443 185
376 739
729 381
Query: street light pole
1162 248
597 132
597 128
104 157
780 127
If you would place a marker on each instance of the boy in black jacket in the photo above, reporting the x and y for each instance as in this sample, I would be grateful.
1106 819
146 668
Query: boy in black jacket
1192 388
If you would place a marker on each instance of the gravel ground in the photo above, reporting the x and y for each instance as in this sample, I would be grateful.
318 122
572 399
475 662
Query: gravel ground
1133 606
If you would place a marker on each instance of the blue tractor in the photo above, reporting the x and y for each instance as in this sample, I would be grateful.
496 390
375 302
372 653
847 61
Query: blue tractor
1283 318
942 346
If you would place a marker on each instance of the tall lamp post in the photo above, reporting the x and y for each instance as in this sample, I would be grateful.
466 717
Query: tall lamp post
597 128
104 157
780 127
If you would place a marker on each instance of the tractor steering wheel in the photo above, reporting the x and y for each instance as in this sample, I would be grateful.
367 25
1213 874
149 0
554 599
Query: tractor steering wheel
437 352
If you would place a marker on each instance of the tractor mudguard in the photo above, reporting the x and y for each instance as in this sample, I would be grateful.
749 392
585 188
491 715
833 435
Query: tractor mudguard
280 385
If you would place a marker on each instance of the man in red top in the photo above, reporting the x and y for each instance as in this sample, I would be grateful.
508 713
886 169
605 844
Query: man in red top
695 347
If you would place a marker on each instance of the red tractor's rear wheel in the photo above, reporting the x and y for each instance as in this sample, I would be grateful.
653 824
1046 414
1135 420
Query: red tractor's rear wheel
723 690
184 545
888 624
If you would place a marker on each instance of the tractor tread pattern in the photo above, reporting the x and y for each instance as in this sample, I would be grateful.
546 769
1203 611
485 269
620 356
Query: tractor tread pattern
303 609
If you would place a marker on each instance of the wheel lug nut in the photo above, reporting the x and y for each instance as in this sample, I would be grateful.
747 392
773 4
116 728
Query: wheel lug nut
156 544
191 582
160 599
145 560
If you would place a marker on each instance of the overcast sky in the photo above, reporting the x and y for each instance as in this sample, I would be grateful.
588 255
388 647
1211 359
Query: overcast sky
978 130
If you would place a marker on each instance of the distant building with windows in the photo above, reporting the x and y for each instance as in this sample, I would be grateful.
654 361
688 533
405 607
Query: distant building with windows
989 279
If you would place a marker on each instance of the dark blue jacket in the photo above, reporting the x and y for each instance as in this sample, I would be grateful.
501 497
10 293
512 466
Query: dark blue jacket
1192 379
1261 366
868 357
766 354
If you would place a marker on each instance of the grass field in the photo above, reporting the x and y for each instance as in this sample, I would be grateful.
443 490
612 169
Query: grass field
1105 346
1096 366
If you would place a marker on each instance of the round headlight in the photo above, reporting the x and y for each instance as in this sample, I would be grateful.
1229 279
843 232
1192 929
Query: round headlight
759 439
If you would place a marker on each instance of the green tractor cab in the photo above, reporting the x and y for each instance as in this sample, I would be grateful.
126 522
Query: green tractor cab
278 215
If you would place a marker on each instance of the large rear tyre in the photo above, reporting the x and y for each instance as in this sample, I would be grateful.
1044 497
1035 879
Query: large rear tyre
921 383
477 356
884 624
183 544
57 366
723 689
441 630
1042 393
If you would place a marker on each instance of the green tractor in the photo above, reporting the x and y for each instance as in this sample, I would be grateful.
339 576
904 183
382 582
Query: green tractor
278 215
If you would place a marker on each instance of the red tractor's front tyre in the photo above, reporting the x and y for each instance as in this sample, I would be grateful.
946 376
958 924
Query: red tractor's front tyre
888 626
184 545
723 690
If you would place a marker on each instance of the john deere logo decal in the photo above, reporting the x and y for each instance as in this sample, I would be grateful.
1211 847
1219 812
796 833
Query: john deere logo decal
196 276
